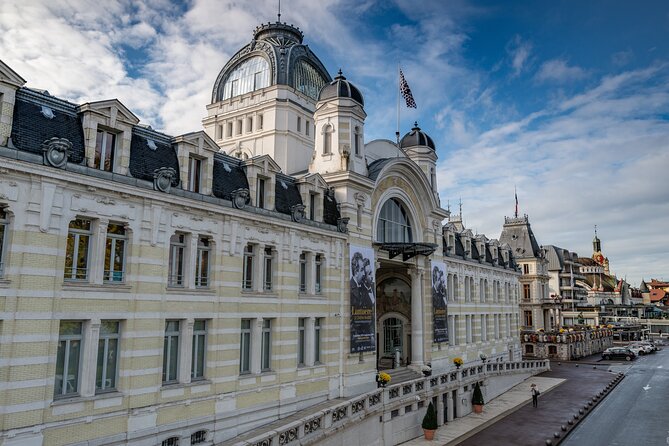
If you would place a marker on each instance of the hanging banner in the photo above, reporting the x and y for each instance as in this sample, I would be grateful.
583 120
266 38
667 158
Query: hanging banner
362 299
439 302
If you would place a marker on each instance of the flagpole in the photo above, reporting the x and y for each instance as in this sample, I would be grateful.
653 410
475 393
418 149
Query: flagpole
397 133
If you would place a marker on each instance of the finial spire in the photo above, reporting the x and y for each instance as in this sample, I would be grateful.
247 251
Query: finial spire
595 230
516 195
461 208
448 205
279 14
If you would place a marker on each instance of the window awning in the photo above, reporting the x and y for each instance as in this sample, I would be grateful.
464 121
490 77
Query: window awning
408 250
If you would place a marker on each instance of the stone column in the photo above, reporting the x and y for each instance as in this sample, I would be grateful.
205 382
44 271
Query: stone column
416 316
440 410
449 406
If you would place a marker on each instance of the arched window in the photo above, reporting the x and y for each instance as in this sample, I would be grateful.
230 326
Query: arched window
327 139
356 141
252 74
307 79
393 224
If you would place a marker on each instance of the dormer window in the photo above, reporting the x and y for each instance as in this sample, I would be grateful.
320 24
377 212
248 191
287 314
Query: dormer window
260 193
104 151
194 174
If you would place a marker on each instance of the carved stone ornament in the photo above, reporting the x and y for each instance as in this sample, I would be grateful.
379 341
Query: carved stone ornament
297 212
240 198
342 225
162 178
56 151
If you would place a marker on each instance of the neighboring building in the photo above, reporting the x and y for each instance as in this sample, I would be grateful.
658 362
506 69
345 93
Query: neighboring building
191 289
657 292
538 310
565 275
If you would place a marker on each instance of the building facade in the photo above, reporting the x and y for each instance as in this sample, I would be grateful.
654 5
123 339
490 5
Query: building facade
187 289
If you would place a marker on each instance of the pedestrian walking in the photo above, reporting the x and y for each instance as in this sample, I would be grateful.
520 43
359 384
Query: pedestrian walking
535 395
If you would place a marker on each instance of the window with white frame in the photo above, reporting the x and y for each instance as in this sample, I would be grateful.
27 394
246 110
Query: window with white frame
327 139
267 272
301 341
266 346
194 174
171 352
319 273
115 249
78 247
247 270
245 347
303 272
105 145
318 325
108 349
68 358
198 362
4 224
202 262
177 260
393 224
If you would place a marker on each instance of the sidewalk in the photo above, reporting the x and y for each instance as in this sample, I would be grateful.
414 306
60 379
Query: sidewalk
510 420
460 429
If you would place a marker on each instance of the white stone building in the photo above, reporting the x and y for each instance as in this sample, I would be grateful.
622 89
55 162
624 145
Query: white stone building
191 289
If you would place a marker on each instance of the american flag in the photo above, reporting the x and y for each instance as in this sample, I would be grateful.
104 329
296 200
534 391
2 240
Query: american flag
406 92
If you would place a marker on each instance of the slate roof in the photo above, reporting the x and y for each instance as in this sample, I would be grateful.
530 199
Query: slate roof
500 257
376 167
475 251
518 234
459 248
144 160
417 137
228 175
286 193
341 88
31 128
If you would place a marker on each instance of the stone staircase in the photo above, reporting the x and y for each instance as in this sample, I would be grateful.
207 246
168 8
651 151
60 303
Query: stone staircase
402 374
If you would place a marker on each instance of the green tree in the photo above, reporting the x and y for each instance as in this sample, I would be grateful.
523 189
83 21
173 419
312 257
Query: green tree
430 418
477 397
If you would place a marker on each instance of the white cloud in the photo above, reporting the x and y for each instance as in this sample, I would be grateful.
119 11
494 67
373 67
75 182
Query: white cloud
519 51
559 71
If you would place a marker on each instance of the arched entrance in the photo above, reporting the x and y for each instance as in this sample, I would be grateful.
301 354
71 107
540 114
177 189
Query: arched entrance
393 310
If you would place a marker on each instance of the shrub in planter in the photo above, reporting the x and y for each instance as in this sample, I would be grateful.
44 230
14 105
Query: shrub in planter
430 422
477 399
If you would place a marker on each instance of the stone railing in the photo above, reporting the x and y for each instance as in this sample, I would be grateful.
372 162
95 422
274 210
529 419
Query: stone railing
318 424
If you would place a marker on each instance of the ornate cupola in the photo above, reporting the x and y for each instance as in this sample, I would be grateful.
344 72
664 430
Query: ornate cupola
340 119
420 148
263 100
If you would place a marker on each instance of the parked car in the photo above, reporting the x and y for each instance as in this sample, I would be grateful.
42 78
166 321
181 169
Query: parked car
637 349
618 353
648 347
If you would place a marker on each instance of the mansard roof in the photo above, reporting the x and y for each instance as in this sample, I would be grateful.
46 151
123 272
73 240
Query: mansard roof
229 176
39 117
286 194
145 160
518 234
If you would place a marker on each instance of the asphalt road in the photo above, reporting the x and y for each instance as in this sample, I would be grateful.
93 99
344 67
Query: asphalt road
635 412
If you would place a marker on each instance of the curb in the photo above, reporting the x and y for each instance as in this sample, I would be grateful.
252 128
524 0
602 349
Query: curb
581 413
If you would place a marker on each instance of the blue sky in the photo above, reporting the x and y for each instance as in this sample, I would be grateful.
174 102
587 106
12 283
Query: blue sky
568 101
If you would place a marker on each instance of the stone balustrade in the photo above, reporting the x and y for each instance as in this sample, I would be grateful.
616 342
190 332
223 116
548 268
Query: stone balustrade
386 400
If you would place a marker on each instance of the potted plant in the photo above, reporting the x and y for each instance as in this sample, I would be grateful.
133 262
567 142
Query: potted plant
427 370
382 379
483 357
458 362
430 422
477 399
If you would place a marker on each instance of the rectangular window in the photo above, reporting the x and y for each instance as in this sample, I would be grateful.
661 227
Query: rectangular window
267 285
249 124
299 124
356 142
260 195
219 132
319 272
257 80
202 262
247 273
245 347
260 122
104 151
528 319
177 254
194 174
234 88
68 358
171 352
307 125
301 341
526 291
115 253
303 273
78 242
312 207
239 126
318 324
105 377
229 132
526 269
199 349
266 347
4 223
